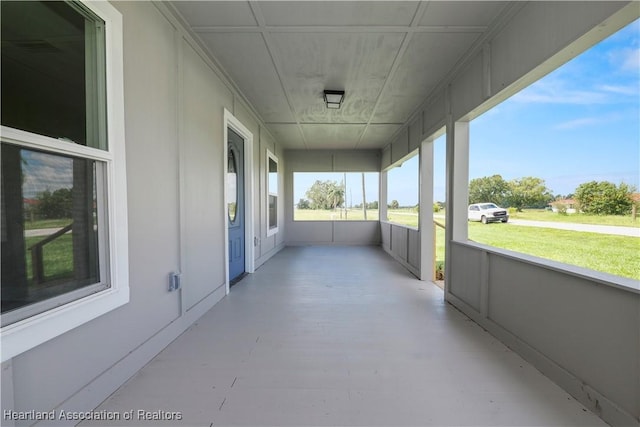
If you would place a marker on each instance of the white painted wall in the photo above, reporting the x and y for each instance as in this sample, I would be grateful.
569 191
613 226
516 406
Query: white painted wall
581 331
403 244
174 101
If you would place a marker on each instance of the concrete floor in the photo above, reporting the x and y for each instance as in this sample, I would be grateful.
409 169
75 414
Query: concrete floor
341 336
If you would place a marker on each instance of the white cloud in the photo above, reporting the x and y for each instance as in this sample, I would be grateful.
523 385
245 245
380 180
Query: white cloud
578 123
556 91
45 172
632 60
632 90
626 59
587 121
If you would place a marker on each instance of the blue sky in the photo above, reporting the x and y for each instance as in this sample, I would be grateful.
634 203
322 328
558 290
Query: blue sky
579 123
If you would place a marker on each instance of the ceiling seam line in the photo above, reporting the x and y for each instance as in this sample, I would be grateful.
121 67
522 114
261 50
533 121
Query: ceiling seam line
344 29
420 10
257 14
394 66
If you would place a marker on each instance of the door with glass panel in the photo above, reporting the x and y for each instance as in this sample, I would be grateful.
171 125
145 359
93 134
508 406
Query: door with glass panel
235 205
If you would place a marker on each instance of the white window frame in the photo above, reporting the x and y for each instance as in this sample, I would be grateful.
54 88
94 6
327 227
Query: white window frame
272 230
25 334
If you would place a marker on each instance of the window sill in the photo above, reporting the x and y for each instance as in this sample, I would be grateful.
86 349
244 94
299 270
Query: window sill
29 333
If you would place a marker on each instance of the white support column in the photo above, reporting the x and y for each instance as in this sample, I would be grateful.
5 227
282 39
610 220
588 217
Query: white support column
460 199
457 189
427 233
382 203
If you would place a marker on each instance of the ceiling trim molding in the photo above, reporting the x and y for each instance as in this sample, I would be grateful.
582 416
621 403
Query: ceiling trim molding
344 29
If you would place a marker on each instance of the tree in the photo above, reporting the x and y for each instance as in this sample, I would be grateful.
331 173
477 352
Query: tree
372 205
394 204
56 205
488 189
304 204
604 198
527 192
336 196
325 195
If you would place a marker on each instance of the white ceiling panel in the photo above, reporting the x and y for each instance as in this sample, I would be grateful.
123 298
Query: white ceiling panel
287 135
377 136
337 13
332 136
356 63
423 66
387 56
245 57
225 13
461 13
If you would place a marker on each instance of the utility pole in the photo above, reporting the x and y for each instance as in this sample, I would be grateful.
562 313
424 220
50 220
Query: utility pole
364 199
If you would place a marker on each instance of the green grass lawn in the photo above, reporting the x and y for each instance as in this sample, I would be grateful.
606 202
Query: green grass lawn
578 218
619 255
337 215
57 257
403 216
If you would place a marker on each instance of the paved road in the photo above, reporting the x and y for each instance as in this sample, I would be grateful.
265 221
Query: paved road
592 228
41 232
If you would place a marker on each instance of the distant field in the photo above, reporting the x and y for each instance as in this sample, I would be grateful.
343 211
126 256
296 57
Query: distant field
617 255
330 215
578 218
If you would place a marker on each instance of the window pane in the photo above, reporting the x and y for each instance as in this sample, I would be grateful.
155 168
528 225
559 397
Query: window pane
232 187
273 176
49 226
335 196
572 174
53 80
273 211
402 193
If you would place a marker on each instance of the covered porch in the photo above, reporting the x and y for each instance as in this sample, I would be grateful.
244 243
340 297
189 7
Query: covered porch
331 325
324 335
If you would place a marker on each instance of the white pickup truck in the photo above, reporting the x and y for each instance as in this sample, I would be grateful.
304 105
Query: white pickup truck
487 212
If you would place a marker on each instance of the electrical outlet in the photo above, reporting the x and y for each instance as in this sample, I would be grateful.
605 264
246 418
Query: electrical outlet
175 281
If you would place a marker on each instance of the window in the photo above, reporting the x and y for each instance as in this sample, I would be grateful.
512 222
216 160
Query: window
577 136
272 199
64 230
402 193
336 196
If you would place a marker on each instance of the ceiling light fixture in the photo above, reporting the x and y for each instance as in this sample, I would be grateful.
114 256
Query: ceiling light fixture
333 98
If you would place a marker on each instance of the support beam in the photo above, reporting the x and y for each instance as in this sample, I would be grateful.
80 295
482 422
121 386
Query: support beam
457 189
382 203
427 233
460 181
